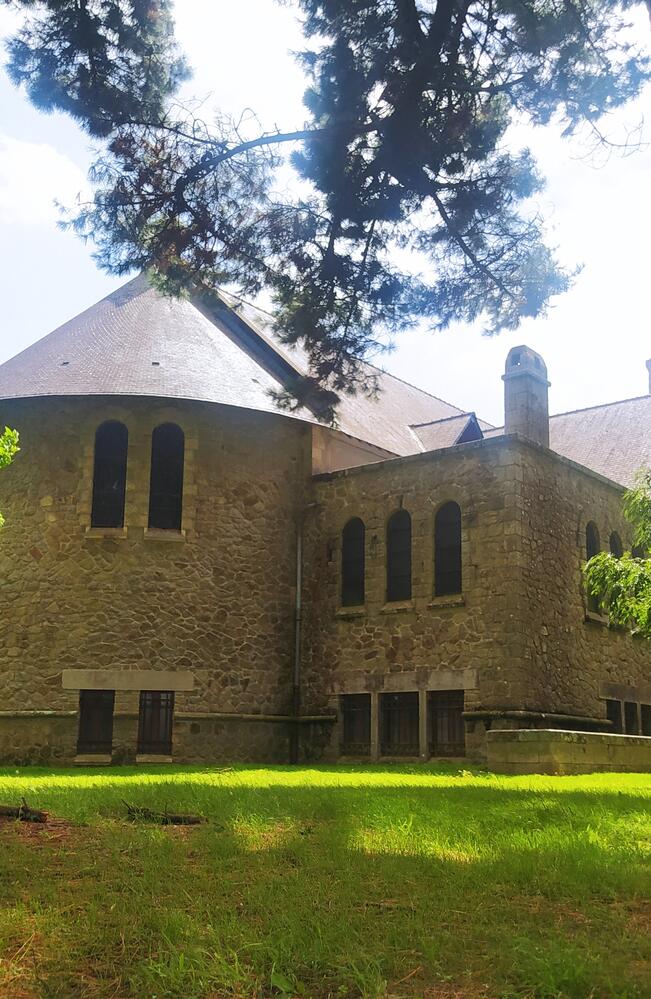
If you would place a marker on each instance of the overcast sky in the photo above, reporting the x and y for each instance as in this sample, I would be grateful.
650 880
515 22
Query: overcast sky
595 339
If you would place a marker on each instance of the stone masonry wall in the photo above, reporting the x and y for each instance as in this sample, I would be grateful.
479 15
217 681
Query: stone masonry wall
517 639
570 656
429 642
216 600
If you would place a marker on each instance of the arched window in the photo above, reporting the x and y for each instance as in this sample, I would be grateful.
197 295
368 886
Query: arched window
166 483
352 563
616 546
592 547
399 556
109 475
447 550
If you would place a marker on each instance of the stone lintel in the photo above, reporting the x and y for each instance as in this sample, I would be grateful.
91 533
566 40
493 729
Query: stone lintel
421 679
126 679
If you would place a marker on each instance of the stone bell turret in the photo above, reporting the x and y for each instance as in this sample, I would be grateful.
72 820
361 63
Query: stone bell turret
526 395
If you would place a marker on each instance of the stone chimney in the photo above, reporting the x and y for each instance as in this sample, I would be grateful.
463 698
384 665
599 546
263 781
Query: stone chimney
648 367
526 404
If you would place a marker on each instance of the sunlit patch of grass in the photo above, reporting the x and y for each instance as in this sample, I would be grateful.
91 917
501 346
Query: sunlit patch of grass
323 882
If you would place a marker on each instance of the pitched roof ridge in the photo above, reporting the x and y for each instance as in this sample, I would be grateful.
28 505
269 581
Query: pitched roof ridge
602 405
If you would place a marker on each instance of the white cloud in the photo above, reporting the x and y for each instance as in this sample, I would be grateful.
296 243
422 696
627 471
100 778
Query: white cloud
32 177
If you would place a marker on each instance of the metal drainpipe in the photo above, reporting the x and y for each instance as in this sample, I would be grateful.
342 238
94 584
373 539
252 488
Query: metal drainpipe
298 619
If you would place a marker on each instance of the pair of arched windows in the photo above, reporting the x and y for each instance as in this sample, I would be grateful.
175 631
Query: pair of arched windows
165 482
447 556
593 543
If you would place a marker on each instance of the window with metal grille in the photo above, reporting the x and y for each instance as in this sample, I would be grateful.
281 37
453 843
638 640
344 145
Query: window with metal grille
447 550
614 714
399 556
645 712
616 546
109 475
352 563
592 547
631 723
399 724
356 724
95 733
446 728
166 482
155 722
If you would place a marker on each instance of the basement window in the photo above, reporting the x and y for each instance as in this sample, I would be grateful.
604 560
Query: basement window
446 726
399 724
356 724
95 735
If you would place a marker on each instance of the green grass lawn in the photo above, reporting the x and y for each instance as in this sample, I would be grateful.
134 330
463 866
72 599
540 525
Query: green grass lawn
386 881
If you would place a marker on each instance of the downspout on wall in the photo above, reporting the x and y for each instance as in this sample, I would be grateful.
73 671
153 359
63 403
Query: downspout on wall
294 747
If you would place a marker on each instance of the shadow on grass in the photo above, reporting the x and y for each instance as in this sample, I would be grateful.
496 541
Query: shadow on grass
323 889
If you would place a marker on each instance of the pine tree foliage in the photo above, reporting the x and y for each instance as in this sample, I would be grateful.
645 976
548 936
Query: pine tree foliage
8 449
412 206
623 585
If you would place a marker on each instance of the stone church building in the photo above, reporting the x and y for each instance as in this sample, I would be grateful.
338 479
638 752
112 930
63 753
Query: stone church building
190 573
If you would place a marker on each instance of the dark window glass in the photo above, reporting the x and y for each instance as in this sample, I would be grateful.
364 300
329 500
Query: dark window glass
352 563
356 724
399 556
616 547
646 718
638 551
109 475
155 722
166 484
614 714
592 547
95 721
447 550
446 727
399 724
631 725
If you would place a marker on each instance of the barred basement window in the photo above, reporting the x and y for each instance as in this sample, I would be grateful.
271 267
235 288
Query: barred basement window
155 722
166 483
592 547
352 563
616 547
645 711
447 550
446 727
614 714
399 556
399 724
95 734
109 475
631 724
356 724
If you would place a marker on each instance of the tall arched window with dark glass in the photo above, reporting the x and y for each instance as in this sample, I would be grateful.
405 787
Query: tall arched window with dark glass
109 475
399 556
616 546
592 547
447 550
352 563
166 483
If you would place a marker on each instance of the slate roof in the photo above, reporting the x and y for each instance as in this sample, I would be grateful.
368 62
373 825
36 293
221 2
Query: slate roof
138 342
613 439
448 432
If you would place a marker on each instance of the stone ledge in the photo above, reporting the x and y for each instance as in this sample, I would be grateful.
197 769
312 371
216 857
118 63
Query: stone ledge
106 534
453 600
350 613
398 607
153 758
93 760
156 534
591 617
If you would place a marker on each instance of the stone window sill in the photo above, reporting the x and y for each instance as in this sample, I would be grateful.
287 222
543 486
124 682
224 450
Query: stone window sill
152 758
351 612
93 760
102 533
451 600
157 534
398 607
593 618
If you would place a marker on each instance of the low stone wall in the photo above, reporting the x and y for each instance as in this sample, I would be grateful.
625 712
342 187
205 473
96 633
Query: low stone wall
550 751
